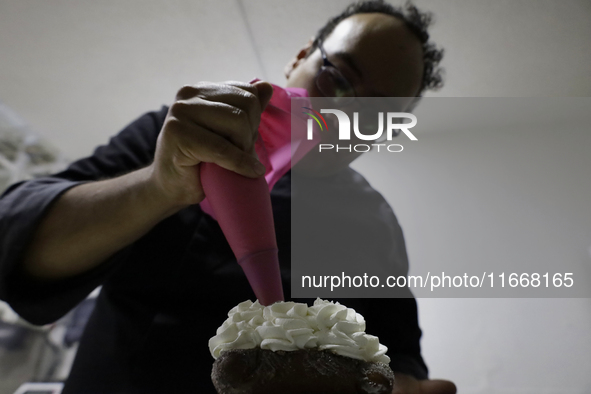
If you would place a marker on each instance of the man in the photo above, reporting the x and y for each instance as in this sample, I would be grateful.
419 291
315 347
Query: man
127 218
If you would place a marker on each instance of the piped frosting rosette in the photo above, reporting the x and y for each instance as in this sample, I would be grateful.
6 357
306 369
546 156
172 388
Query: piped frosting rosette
291 326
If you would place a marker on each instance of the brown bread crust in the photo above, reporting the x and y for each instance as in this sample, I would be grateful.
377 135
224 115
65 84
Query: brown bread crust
310 371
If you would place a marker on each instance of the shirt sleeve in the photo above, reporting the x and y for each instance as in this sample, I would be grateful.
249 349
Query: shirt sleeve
23 206
395 321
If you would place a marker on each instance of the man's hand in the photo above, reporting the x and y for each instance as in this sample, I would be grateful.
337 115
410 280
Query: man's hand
406 384
208 122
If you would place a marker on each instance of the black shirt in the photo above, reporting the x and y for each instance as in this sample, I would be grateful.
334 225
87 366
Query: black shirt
165 295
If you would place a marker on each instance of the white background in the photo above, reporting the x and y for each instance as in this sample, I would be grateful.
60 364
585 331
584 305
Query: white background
78 71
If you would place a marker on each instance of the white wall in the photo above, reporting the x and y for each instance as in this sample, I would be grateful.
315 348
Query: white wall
79 71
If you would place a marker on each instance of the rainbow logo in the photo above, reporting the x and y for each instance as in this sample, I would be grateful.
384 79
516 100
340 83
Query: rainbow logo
315 118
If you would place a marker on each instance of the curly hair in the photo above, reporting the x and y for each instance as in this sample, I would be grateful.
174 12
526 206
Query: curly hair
417 21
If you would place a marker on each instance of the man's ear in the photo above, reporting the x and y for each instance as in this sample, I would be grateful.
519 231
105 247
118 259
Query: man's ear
293 63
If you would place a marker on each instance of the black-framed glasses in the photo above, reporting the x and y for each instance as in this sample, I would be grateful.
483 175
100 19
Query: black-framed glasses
331 82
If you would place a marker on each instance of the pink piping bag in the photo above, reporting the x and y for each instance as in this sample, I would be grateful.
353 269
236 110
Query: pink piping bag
242 206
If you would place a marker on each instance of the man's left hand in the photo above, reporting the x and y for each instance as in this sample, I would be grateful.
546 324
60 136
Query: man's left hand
406 384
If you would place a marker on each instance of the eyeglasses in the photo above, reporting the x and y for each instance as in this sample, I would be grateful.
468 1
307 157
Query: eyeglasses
331 82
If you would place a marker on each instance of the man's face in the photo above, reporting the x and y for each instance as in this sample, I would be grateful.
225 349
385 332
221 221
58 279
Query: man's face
378 55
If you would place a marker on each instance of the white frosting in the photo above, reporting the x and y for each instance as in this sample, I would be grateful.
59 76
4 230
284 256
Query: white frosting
291 326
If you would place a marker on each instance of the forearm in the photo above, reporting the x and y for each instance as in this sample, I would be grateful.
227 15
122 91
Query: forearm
92 221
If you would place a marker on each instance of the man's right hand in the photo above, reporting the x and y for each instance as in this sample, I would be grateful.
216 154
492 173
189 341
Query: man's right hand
208 122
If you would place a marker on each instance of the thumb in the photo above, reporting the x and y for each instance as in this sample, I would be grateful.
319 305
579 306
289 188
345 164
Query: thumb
265 91
437 386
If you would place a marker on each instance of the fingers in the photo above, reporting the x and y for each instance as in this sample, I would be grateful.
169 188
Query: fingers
265 90
264 93
231 122
217 123
407 384
192 144
437 386
231 108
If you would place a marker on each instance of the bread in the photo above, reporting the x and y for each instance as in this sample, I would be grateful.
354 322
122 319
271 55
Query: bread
289 347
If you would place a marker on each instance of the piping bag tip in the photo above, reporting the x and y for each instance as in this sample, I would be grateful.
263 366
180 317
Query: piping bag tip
262 271
244 212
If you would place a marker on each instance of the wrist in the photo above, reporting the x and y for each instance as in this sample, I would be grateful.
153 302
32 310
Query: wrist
161 195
